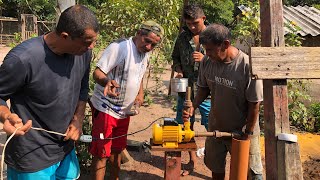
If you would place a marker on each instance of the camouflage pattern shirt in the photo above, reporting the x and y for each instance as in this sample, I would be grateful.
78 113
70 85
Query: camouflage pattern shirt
182 57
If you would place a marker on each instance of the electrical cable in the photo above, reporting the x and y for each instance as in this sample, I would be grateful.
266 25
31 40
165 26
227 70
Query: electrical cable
129 134
53 132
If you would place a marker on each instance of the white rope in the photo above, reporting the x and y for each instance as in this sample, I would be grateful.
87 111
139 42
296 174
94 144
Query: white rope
52 132
15 131
4 148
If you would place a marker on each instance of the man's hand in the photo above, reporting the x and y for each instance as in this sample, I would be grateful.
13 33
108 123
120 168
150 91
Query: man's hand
12 122
245 136
179 75
74 130
197 56
138 101
187 114
111 88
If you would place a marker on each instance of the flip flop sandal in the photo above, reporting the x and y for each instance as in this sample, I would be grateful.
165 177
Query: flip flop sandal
187 169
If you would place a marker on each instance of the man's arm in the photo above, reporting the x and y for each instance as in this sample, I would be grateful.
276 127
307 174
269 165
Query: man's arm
74 130
176 66
110 86
140 97
100 77
12 79
201 95
252 118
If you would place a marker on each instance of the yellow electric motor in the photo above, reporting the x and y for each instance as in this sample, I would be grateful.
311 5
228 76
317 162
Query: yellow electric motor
170 134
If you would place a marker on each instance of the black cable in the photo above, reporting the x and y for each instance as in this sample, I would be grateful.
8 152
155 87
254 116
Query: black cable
94 139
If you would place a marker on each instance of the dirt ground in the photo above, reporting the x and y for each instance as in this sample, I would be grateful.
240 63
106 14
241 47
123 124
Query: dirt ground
150 164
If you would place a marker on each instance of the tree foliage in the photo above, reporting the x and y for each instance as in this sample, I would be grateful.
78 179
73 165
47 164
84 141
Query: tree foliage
218 11
247 28
43 9
122 18
301 2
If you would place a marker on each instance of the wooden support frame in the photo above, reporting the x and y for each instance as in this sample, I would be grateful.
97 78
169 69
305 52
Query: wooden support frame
276 117
172 158
172 165
288 167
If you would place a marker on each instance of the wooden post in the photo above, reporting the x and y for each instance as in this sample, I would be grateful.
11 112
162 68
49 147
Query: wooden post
62 5
172 165
29 26
275 97
172 158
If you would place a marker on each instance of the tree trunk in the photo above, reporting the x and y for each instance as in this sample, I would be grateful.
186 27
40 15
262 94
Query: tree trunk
63 5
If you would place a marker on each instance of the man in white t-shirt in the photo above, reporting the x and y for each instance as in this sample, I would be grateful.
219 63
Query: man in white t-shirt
119 76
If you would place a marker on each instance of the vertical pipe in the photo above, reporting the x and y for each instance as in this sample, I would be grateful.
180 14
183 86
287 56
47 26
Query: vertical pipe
239 159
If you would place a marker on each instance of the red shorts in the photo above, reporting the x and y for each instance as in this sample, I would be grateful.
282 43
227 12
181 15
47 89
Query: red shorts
110 127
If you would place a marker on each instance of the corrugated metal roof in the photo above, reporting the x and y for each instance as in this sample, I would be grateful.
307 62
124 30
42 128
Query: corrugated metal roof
307 18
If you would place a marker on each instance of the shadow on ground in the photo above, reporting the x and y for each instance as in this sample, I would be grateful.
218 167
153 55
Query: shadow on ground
313 170
148 158
135 175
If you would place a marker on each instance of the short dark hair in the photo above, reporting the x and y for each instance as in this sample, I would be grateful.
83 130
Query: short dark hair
192 11
75 20
215 33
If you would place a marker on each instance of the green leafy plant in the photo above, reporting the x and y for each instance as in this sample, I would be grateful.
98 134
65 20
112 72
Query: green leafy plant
316 6
247 28
17 39
292 38
315 116
298 112
147 97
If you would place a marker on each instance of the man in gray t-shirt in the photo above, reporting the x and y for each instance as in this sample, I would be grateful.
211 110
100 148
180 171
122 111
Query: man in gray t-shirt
236 97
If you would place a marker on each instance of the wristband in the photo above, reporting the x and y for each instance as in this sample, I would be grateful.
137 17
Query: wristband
248 132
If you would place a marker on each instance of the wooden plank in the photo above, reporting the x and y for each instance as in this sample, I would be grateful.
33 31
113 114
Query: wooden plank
285 62
6 39
188 146
9 19
172 165
35 24
23 27
291 163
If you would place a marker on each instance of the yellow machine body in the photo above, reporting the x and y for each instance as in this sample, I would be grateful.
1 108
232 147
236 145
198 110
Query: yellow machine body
170 136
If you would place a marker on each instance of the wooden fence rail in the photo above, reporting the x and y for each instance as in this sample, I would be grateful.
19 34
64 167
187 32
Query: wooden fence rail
9 26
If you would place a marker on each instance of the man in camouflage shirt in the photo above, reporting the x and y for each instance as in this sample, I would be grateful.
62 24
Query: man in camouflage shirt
186 56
